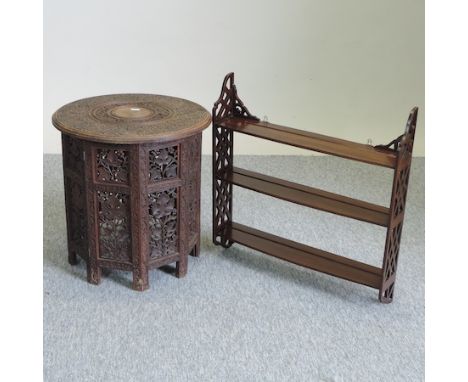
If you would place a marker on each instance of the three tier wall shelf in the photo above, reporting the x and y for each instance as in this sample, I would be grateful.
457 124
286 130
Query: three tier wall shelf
230 115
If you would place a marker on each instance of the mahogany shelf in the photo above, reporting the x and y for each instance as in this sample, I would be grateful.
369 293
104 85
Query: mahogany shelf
304 255
230 116
308 196
312 141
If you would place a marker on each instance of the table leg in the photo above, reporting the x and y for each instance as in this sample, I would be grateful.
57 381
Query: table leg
181 266
140 279
72 258
93 273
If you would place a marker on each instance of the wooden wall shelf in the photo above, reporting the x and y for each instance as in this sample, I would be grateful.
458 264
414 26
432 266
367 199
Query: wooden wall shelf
230 115
308 196
312 141
304 255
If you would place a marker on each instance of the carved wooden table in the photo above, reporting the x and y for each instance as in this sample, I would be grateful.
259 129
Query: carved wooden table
132 182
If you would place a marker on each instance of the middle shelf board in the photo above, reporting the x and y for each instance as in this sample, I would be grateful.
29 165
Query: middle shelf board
308 196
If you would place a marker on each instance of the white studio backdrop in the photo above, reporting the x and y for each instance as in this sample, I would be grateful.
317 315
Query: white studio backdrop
350 69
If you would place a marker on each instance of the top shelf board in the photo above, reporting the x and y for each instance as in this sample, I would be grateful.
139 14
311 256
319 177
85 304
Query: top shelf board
312 141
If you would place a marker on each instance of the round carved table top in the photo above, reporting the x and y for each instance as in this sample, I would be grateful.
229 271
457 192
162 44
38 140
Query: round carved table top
131 118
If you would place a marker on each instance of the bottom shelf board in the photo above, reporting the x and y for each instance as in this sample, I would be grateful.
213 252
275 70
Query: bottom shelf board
306 256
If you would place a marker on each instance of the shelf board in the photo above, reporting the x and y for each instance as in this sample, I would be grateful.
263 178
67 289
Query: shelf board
309 196
312 141
305 256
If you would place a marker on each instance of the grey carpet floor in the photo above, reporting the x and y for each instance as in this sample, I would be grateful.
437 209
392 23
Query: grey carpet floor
240 315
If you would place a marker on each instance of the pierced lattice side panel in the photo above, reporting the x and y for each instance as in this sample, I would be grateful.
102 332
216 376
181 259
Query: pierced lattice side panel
222 190
404 146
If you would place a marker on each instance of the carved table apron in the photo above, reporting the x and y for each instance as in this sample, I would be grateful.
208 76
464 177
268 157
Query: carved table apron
131 166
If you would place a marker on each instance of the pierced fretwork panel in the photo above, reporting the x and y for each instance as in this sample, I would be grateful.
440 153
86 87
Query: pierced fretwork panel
223 203
392 244
404 146
163 223
392 248
163 163
222 190
114 226
112 166
228 103
223 146
401 191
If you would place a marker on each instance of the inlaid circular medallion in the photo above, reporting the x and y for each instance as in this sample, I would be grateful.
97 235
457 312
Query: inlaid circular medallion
143 111
131 112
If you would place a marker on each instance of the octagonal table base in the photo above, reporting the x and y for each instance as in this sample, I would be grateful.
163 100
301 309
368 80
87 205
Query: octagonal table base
132 207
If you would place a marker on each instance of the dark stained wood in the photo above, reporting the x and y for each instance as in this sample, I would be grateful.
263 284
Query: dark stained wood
131 118
139 215
230 115
403 145
305 256
312 141
309 196
132 206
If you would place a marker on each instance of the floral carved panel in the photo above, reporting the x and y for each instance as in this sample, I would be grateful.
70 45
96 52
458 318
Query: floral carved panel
114 226
163 163
163 223
112 166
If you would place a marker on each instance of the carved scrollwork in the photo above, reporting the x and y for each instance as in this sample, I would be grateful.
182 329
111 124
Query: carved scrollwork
163 163
112 166
114 228
404 143
228 103
405 147
163 223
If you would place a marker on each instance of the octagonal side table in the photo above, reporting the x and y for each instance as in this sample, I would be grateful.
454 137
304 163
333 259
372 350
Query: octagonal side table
131 165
